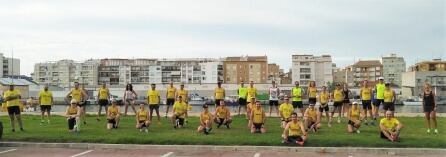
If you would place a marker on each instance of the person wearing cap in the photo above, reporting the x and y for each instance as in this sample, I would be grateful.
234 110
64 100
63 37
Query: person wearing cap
366 98
80 96
185 96
219 94
296 94
242 96
170 96
390 127
430 108
258 119
153 99
222 115
379 98
389 98
179 113
113 116
251 91
354 120
142 119
72 114
324 97
285 110
338 97
311 118
45 101
274 93
103 97
205 121
12 98
294 132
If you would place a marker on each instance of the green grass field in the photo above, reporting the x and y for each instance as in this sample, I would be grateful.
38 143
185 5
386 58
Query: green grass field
413 135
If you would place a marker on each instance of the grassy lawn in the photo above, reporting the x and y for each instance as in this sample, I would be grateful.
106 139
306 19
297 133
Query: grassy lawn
413 135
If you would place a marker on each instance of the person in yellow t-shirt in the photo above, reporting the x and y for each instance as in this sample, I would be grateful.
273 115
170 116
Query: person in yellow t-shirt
285 110
179 113
45 101
354 118
312 92
324 98
171 92
338 97
80 96
72 115
390 127
251 91
142 119
258 119
311 118
222 115
242 96
153 99
389 98
294 132
113 116
185 96
219 94
366 97
12 98
103 97
379 97
205 121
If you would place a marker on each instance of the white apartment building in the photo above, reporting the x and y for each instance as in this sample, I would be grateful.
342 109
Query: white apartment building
9 66
308 67
212 72
393 67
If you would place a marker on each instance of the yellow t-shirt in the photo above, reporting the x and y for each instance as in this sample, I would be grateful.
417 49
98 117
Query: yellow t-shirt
297 93
366 93
294 129
311 114
324 96
338 95
183 94
205 116
286 109
72 110
389 124
180 108
388 95
222 112
45 97
252 93
219 93
171 92
354 114
15 102
76 94
103 93
312 92
113 110
153 96
257 115
142 115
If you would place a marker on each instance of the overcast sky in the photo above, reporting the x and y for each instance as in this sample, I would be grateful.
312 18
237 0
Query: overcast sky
347 29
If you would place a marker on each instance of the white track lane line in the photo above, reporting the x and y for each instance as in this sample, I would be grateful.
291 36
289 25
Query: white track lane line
8 151
167 154
83 153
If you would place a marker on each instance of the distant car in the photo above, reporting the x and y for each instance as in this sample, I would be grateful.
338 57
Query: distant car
118 99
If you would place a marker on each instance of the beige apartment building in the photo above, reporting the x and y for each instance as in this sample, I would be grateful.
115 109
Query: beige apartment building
245 68
369 70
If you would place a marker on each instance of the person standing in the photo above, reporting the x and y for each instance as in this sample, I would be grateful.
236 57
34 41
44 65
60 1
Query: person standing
129 98
103 97
312 92
366 98
153 99
430 109
219 94
346 102
379 98
80 96
242 97
12 98
285 110
45 101
296 94
170 96
324 97
389 98
252 91
274 92
338 99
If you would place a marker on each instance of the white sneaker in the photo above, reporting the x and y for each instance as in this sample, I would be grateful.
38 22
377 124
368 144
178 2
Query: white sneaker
140 130
428 131
357 131
339 121
147 131
436 131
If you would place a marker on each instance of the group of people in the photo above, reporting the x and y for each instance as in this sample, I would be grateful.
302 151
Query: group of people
296 125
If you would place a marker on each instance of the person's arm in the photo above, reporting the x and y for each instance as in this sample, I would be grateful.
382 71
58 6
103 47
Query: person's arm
125 97
280 111
67 113
286 131
134 94
52 99
40 98
229 114
136 117
224 93
435 102
394 97
349 115
302 128
382 127
84 95
99 94
360 94
159 98
263 117
306 113
68 95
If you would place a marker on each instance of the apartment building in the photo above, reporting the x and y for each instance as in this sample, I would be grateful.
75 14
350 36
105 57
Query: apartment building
369 70
393 67
9 66
306 68
245 68
432 72
343 75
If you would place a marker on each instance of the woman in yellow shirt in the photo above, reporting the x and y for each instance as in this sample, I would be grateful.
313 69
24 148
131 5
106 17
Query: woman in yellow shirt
389 98
294 131
311 118
142 119
285 110
205 121
324 97
103 97
366 97
72 115
312 92
219 94
113 115
338 97
222 115
354 118
258 119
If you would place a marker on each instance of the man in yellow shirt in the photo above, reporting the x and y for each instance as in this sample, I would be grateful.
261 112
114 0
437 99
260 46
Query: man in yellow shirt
113 116
258 119
324 98
252 91
222 115
12 98
170 96
366 97
311 118
103 97
296 94
185 96
219 94
80 96
338 97
390 127
205 121
179 113
379 97
242 96
294 131
285 110
153 99
45 101
389 98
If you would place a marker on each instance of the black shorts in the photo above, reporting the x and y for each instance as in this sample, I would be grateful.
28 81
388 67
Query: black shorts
351 123
311 100
112 121
44 108
378 102
103 102
428 108
14 110
286 120
345 101
389 106
294 139
242 102
311 123
297 104
257 126
170 101
142 123
81 104
180 120
366 104
274 103
71 123
321 109
337 104
383 136
154 106
217 101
